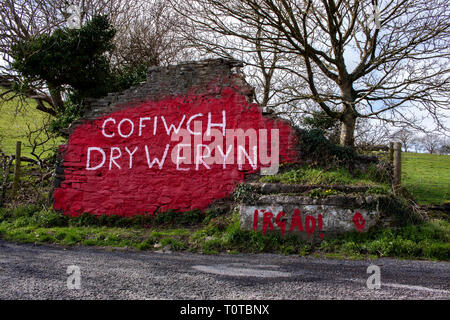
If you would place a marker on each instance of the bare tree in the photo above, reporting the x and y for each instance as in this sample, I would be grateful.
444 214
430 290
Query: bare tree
371 134
262 64
352 68
148 37
404 136
431 142
445 147
40 140
22 20
143 35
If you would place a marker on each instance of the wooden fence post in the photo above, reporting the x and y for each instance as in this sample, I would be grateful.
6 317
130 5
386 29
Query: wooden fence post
6 166
16 169
397 165
391 152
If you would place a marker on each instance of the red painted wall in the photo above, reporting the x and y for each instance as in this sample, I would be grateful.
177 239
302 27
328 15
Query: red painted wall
143 190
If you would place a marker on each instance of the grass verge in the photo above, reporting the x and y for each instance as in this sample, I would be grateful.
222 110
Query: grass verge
210 233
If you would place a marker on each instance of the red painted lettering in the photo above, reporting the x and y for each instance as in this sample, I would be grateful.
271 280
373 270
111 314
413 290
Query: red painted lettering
296 221
255 220
320 224
310 224
267 221
359 221
281 223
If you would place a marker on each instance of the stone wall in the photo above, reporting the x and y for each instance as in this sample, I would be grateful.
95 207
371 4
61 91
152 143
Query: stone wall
207 77
310 218
145 150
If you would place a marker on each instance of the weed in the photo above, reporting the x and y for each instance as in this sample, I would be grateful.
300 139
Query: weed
174 244
245 193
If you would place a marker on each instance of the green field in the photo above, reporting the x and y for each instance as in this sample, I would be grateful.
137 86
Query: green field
427 177
13 126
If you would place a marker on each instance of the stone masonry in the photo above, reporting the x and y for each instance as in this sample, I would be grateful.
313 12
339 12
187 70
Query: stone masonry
147 149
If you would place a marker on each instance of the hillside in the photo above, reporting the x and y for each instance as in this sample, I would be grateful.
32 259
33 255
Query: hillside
13 126
427 177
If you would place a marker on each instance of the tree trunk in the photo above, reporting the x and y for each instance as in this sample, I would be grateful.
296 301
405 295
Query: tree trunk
348 116
348 122
55 93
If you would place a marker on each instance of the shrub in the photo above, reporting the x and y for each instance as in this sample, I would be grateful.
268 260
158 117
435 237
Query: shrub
245 193
318 150
381 172
22 221
436 250
49 218
212 246
25 211
5 214
174 244
176 218
400 210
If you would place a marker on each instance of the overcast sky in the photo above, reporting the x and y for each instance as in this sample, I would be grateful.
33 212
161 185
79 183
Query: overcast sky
352 59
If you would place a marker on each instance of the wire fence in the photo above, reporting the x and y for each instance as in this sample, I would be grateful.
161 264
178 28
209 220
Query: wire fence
427 177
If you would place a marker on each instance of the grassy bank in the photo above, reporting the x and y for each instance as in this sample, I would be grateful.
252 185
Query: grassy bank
14 124
373 179
211 233
311 175
427 177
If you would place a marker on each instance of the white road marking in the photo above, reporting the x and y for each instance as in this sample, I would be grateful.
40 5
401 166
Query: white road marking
404 286
227 270
420 288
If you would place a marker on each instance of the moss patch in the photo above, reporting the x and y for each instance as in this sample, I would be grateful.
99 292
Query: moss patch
311 175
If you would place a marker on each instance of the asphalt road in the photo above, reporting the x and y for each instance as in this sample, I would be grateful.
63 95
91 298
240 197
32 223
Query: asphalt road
40 272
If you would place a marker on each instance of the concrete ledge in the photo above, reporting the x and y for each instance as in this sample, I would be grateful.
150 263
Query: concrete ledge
309 218
269 188
334 200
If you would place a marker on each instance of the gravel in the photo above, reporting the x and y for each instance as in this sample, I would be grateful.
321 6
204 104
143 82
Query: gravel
28 271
